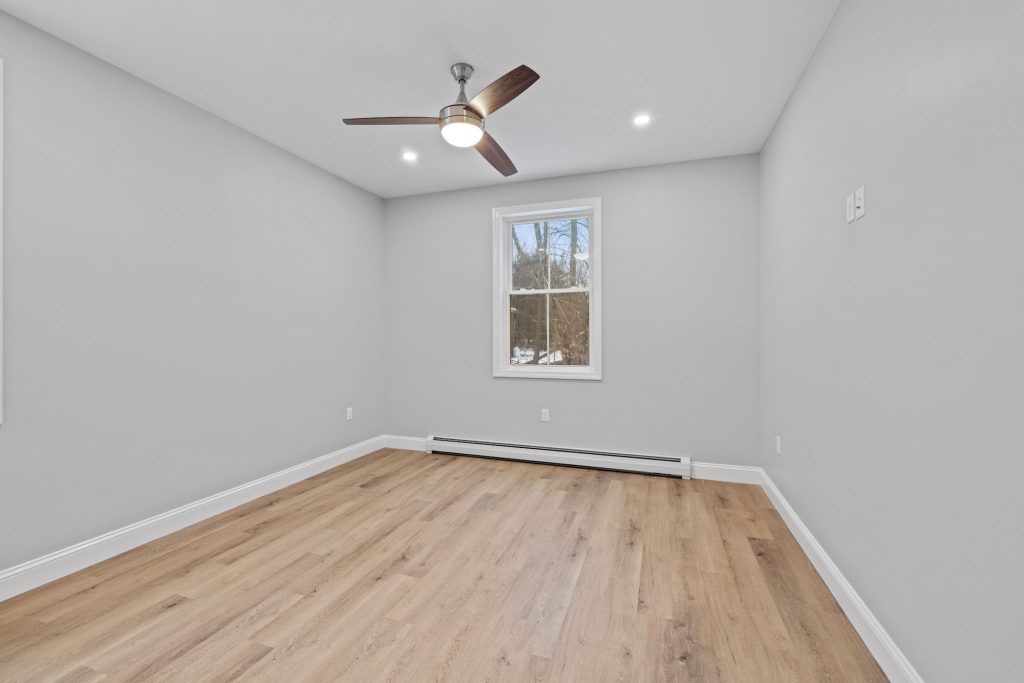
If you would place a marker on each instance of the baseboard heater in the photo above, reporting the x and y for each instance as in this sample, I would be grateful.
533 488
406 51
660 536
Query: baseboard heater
669 465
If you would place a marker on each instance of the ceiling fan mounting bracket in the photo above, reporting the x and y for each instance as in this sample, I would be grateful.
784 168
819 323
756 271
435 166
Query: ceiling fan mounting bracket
462 72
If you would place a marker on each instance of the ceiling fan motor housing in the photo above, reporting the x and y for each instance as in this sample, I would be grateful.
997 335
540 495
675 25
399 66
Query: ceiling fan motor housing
459 113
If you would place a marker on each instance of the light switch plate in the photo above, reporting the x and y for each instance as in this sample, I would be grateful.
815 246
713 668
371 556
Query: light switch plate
859 202
850 206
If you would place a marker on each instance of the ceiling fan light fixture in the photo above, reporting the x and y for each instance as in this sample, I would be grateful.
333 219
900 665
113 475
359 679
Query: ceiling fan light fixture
462 134
460 126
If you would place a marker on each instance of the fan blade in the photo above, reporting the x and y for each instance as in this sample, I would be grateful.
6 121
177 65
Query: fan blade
495 155
504 90
391 120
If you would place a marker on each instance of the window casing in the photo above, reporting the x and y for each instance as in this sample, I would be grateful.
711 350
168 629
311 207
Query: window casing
547 290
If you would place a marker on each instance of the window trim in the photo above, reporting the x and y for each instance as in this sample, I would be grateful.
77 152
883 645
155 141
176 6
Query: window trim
502 219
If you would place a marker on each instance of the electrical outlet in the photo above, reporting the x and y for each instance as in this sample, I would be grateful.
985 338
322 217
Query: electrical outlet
778 445
850 209
348 414
545 415
858 201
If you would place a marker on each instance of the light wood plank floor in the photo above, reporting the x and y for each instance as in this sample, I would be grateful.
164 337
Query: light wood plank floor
404 566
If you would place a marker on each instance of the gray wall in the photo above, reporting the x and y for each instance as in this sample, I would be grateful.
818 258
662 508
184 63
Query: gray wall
186 306
893 348
680 299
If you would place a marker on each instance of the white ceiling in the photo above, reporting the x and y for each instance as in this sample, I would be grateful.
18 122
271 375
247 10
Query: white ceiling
713 74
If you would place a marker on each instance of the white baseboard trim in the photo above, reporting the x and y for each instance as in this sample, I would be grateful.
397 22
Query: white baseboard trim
736 474
34 573
888 655
409 443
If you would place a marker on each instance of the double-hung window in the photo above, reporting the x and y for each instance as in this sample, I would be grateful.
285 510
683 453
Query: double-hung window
547 290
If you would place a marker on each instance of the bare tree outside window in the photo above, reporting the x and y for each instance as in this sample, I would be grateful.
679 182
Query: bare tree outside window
550 299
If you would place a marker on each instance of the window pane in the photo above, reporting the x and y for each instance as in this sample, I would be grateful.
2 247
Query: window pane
570 328
528 329
529 258
569 252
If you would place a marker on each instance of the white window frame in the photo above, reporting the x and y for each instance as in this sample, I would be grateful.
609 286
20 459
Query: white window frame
502 220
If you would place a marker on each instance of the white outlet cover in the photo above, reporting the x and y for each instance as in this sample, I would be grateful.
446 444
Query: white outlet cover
545 415
859 202
850 209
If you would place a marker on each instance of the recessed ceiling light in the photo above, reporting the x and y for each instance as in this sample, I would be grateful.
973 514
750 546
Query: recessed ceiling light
409 156
641 120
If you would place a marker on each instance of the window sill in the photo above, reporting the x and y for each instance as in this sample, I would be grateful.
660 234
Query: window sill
550 373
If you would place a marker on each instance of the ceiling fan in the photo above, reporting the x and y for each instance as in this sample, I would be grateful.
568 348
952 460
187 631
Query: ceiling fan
462 123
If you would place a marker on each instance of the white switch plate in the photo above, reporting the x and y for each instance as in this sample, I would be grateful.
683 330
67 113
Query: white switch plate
348 414
859 202
778 445
850 209
545 415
